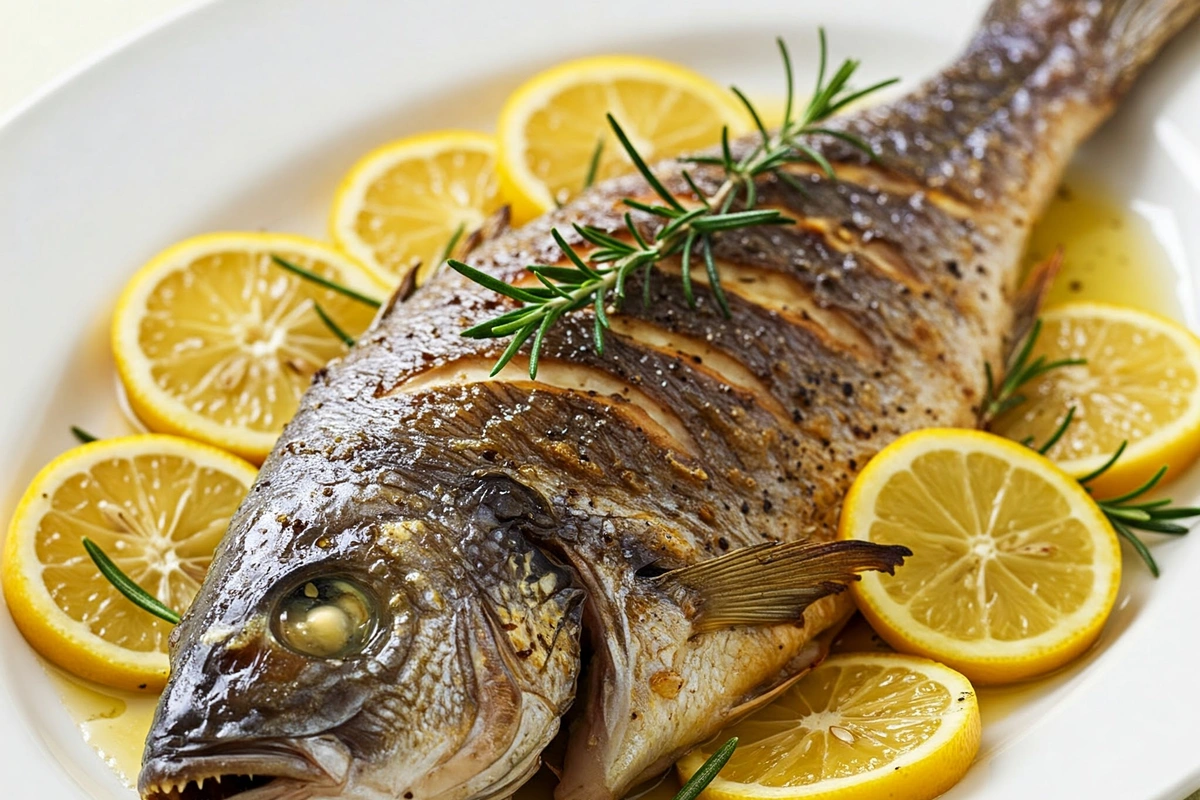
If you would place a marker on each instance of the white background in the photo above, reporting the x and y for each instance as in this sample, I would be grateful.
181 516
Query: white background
40 40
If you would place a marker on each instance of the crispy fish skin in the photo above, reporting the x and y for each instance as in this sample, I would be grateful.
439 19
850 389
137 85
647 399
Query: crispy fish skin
494 524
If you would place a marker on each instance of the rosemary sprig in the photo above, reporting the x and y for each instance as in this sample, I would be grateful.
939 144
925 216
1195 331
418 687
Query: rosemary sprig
1006 395
333 327
1125 513
125 585
1128 512
320 280
704 776
597 278
83 436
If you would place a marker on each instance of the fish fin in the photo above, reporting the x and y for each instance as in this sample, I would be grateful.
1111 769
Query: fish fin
1028 302
1135 30
493 226
1118 36
772 583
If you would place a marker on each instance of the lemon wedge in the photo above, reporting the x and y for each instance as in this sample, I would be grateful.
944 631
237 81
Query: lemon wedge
402 204
157 505
1141 384
216 342
1014 567
860 726
550 126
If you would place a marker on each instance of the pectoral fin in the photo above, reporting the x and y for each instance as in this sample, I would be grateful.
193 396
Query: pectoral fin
772 583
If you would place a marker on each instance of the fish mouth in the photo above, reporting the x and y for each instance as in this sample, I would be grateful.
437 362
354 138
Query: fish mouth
272 772
211 787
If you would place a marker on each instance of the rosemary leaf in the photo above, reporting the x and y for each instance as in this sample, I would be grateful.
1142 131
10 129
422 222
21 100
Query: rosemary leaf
1138 545
640 164
753 112
493 283
565 276
696 190
817 159
309 275
1058 432
125 585
536 352
790 78
714 281
570 253
333 327
598 237
633 231
518 339
83 436
707 772
686 269
594 164
658 211
448 250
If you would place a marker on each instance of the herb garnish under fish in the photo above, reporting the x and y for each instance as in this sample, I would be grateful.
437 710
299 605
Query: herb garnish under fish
434 563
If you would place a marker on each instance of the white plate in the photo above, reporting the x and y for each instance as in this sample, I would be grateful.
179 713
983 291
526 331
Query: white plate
244 115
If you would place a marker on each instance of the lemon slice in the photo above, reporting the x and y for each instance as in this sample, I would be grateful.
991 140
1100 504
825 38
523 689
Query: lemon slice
216 342
860 726
402 203
1014 568
1141 384
157 505
550 125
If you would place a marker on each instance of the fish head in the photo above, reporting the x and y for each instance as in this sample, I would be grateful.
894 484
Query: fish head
370 654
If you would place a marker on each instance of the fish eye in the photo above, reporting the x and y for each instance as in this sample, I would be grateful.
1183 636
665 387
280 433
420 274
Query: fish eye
326 617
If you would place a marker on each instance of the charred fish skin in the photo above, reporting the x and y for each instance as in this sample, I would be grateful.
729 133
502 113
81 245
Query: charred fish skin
692 437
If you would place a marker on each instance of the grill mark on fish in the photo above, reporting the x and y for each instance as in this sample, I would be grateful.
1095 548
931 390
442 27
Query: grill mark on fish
788 297
880 255
640 409
874 177
704 357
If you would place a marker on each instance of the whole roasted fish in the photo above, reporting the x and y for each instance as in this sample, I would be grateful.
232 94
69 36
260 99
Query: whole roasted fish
434 563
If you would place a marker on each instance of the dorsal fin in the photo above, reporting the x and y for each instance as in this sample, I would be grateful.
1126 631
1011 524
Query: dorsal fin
772 583
1028 302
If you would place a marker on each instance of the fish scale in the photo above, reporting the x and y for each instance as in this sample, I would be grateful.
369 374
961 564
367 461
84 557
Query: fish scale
641 527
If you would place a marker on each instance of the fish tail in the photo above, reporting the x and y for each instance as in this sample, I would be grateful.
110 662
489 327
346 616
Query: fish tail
1117 38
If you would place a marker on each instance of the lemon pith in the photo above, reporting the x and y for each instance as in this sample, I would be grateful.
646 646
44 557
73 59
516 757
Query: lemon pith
1141 385
1014 568
157 505
550 126
400 204
860 726
214 341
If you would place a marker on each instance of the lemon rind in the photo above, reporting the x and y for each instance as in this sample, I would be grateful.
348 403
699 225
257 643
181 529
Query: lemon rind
985 661
966 729
347 199
1142 457
58 637
533 198
161 411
